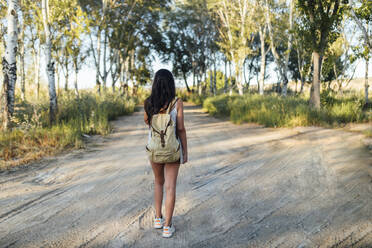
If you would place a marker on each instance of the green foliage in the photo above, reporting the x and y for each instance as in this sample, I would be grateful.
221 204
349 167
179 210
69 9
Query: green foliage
320 22
220 80
275 111
191 38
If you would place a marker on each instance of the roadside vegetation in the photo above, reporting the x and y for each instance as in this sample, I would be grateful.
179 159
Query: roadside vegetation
33 137
272 110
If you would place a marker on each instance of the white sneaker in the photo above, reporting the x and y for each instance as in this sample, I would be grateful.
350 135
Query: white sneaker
158 222
168 231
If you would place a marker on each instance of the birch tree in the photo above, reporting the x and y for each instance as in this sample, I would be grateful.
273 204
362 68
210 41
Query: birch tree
98 15
281 59
9 63
236 29
53 107
362 15
261 26
34 19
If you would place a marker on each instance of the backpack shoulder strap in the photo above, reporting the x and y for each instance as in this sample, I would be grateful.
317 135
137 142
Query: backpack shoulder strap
173 102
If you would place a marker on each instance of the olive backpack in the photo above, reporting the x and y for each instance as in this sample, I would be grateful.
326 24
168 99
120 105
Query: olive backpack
163 147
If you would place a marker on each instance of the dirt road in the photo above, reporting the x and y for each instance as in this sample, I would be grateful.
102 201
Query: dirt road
245 186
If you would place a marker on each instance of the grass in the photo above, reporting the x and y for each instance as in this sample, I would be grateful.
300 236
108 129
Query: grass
276 111
368 133
191 97
32 137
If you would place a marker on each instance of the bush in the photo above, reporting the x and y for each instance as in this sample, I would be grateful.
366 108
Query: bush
191 97
276 111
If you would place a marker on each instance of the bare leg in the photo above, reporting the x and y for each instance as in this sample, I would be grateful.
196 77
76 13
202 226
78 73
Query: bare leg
171 172
158 189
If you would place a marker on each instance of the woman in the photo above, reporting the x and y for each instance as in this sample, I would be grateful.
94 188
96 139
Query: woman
162 94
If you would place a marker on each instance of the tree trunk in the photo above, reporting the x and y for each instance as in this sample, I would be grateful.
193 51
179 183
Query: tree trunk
302 84
22 63
238 72
37 70
211 81
193 79
250 73
285 85
261 82
58 77
339 82
231 79
289 48
53 107
366 85
124 76
98 68
315 88
10 64
244 71
105 72
300 68
7 94
214 76
204 86
296 87
199 83
67 75
225 77
187 86
76 82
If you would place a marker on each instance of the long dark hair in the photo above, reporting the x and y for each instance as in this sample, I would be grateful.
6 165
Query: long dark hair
162 93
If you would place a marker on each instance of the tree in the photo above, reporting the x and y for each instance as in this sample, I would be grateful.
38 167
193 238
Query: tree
34 27
362 16
10 64
236 30
303 53
261 26
320 20
77 28
179 26
53 107
338 61
277 39
21 43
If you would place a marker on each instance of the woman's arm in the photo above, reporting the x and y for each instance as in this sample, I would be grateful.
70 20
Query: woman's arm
145 118
181 130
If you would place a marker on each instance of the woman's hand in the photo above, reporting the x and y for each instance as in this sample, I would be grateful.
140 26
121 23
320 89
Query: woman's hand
181 130
145 118
184 156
